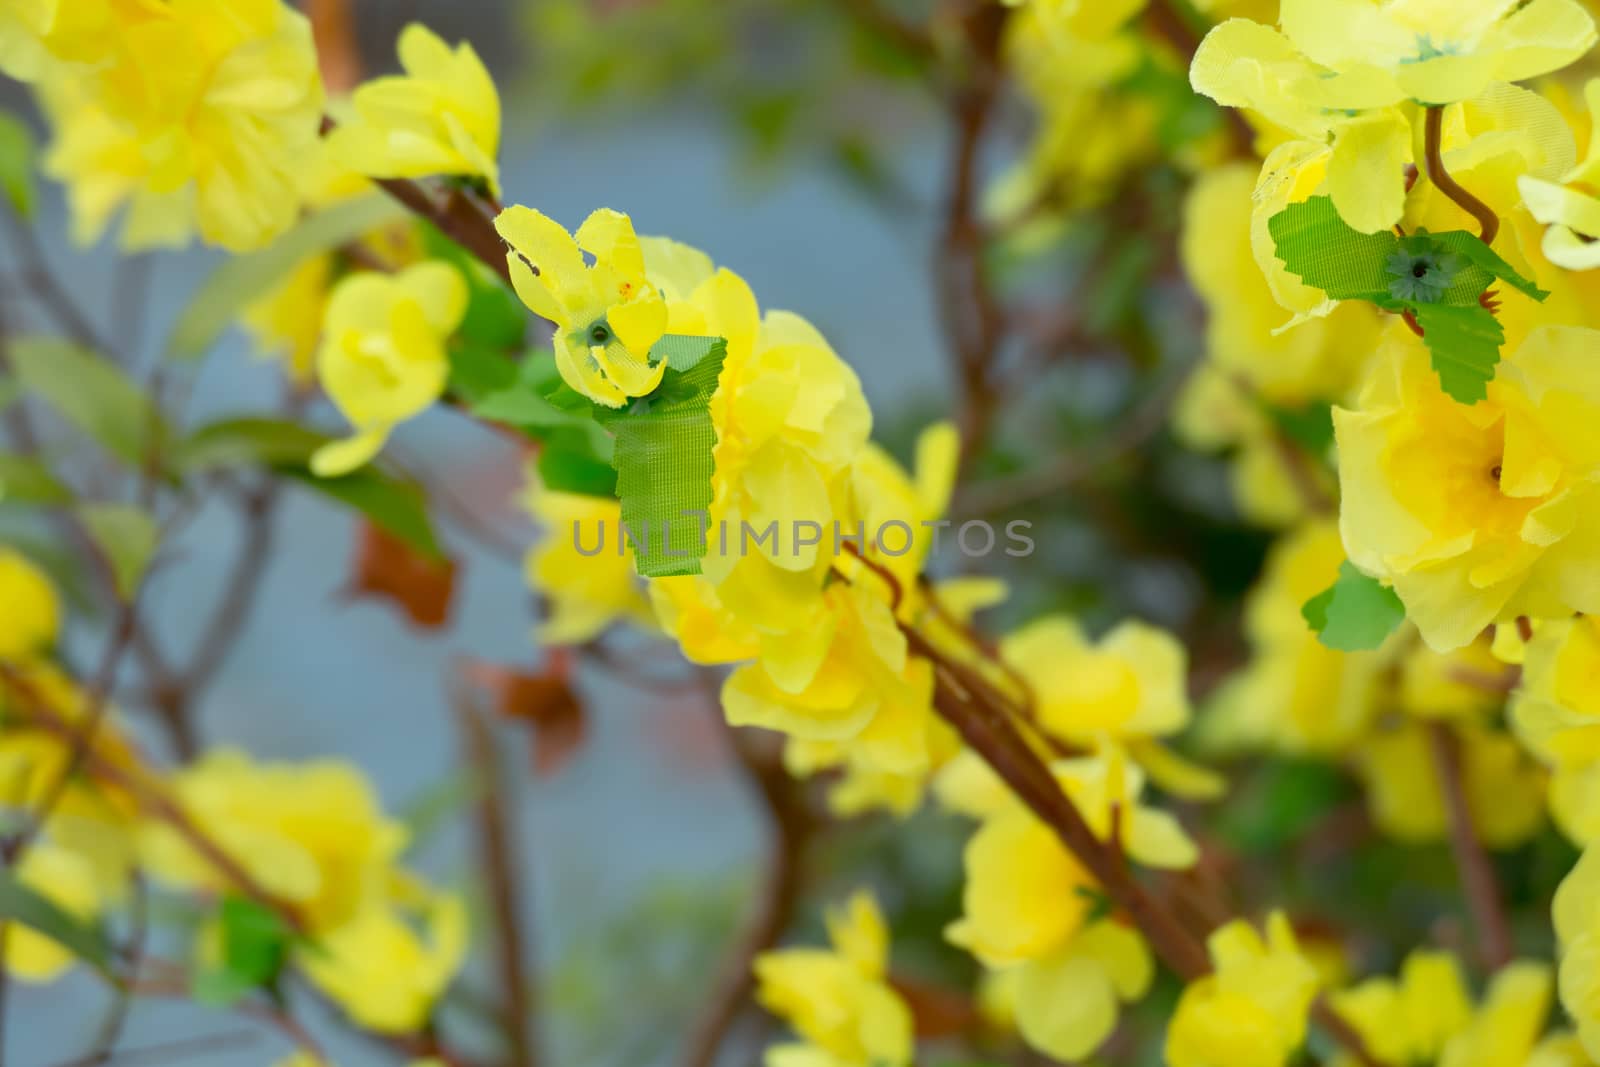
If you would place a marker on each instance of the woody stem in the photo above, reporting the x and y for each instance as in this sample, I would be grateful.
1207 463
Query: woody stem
1434 154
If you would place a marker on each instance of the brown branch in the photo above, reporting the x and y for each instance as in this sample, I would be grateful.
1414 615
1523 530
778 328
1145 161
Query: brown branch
791 827
456 214
497 854
1478 882
1433 151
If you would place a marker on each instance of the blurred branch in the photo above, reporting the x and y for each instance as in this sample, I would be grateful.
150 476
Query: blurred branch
1167 22
1478 882
497 852
910 38
791 827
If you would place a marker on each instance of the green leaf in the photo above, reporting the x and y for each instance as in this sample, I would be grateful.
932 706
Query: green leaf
1354 614
684 351
568 464
395 504
17 149
127 537
1488 261
219 988
399 507
90 392
24 480
540 404
1465 345
663 458
477 371
247 441
20 903
1320 248
241 279
255 940
523 408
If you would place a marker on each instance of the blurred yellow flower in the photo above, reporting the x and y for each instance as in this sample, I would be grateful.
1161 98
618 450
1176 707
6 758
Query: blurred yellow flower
312 834
31 622
1577 922
441 117
1505 788
1570 205
390 962
1506 1026
1477 514
1409 1020
1556 715
607 314
383 357
1252 1011
585 591
287 321
838 1001
211 143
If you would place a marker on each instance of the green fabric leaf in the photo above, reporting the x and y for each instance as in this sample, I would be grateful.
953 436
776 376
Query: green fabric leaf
1354 614
21 904
684 351
242 279
478 371
127 538
17 150
24 480
255 940
524 408
1320 248
568 463
663 458
90 392
1488 261
1464 343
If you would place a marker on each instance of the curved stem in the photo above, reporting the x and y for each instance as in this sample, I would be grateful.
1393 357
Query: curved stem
1478 882
1487 219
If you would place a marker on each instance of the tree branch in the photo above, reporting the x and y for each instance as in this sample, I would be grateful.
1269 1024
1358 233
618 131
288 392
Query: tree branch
1478 882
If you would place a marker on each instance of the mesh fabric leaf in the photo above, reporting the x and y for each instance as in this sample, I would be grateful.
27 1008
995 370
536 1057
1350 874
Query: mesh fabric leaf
1323 251
1465 345
1354 614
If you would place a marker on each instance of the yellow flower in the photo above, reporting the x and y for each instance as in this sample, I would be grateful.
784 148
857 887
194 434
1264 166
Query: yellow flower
1577 923
383 357
1409 1020
1466 684
1252 1011
1296 694
390 962
1507 1025
1570 205
1128 685
31 622
288 319
67 880
607 314
24 25
1477 514
195 113
1505 789
312 834
1319 360
1557 717
441 117
839 1001
586 591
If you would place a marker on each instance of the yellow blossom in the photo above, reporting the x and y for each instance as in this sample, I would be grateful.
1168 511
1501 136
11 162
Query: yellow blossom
209 143
312 835
383 357
390 962
1557 717
31 622
1507 1025
1409 1020
1570 204
1577 923
441 117
585 590
607 314
838 1001
288 319
1252 1011
1504 788
1477 514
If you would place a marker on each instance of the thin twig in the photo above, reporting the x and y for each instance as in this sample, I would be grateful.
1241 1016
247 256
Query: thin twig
1478 882
791 827
504 875
1433 152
